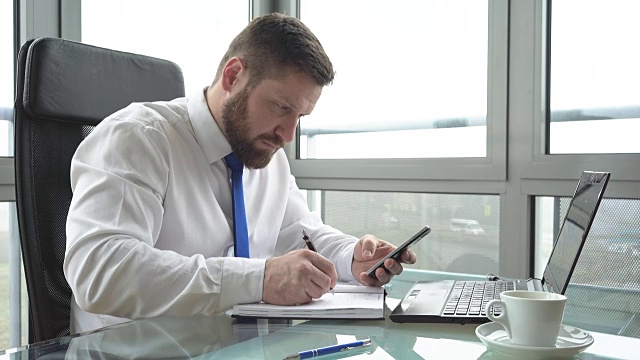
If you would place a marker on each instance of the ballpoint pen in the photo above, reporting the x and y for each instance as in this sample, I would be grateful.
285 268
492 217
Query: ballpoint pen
329 350
311 247
308 241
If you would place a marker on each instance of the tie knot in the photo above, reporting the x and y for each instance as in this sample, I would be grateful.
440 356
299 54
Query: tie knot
233 162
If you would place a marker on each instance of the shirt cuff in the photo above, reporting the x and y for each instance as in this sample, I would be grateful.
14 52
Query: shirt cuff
242 281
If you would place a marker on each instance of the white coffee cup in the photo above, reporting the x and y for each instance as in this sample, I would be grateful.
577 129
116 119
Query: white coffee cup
531 318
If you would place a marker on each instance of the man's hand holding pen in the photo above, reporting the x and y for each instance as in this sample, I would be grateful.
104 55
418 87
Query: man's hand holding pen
369 249
302 275
297 277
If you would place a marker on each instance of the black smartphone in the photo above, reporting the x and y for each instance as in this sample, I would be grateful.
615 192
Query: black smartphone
395 254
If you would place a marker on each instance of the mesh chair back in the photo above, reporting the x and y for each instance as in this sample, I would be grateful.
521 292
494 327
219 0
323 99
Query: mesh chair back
64 89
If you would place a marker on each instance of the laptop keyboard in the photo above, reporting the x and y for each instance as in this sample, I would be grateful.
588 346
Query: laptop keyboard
470 298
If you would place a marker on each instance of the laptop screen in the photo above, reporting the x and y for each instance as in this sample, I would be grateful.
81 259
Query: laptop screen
574 230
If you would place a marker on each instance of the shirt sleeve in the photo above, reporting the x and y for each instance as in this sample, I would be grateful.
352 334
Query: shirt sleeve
119 176
330 242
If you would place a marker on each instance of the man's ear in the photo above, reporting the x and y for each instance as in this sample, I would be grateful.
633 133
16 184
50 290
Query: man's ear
231 73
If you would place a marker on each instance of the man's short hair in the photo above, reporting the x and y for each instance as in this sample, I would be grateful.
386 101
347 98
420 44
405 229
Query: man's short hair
274 43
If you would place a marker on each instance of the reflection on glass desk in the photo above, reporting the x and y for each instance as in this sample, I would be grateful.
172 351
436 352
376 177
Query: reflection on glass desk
222 337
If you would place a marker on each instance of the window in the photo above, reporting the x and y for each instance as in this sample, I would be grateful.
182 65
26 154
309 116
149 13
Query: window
592 114
13 309
6 78
13 298
594 80
537 142
416 114
194 34
411 80
604 288
465 228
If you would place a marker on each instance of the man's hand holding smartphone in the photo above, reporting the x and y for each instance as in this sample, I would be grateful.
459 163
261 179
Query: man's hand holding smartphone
372 253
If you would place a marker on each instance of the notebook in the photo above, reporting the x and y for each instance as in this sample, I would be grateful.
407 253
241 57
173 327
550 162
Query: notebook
348 301
464 302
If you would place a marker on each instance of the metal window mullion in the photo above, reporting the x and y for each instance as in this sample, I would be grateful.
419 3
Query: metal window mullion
516 227
264 7
71 20
39 18
497 85
288 7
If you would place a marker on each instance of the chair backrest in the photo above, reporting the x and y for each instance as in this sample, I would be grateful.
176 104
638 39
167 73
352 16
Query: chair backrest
64 89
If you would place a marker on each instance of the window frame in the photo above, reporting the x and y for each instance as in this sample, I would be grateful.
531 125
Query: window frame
459 175
558 167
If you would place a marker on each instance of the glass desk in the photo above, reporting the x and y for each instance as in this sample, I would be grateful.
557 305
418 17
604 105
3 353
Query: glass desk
222 337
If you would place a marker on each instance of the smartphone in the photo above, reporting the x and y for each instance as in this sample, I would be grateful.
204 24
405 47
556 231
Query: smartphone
395 254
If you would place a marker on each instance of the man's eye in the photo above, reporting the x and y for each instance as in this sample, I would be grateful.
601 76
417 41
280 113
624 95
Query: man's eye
283 107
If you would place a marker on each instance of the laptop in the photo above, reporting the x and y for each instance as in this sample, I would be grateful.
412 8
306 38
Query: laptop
465 301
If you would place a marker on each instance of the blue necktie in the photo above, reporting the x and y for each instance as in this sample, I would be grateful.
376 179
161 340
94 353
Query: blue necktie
240 232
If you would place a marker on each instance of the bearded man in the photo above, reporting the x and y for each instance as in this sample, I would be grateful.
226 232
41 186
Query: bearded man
150 230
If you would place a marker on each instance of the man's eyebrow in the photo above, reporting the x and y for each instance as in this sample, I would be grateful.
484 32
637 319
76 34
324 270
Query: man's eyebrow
287 101
282 98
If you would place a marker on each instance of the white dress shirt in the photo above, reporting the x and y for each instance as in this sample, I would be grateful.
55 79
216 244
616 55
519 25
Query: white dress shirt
149 230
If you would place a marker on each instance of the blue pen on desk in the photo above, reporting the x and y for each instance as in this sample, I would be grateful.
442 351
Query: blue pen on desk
329 350
311 247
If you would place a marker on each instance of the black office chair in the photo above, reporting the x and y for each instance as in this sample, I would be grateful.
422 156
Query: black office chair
64 89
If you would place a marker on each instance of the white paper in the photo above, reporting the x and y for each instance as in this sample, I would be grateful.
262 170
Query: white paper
347 302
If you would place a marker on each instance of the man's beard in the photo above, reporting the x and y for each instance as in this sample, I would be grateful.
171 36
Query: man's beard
235 113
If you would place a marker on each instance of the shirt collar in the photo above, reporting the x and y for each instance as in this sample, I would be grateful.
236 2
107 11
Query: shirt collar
206 131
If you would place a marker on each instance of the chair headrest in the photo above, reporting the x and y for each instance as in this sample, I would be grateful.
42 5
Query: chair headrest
74 82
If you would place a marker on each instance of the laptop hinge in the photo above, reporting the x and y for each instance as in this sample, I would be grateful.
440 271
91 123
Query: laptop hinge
535 285
539 285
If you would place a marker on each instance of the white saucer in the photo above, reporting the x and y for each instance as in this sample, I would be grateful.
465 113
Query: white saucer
571 341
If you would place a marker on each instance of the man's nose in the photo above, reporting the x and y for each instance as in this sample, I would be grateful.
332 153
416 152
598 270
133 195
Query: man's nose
287 130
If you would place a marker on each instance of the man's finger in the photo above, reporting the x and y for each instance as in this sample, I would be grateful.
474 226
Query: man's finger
305 299
408 257
393 266
369 281
369 244
315 290
326 268
382 275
